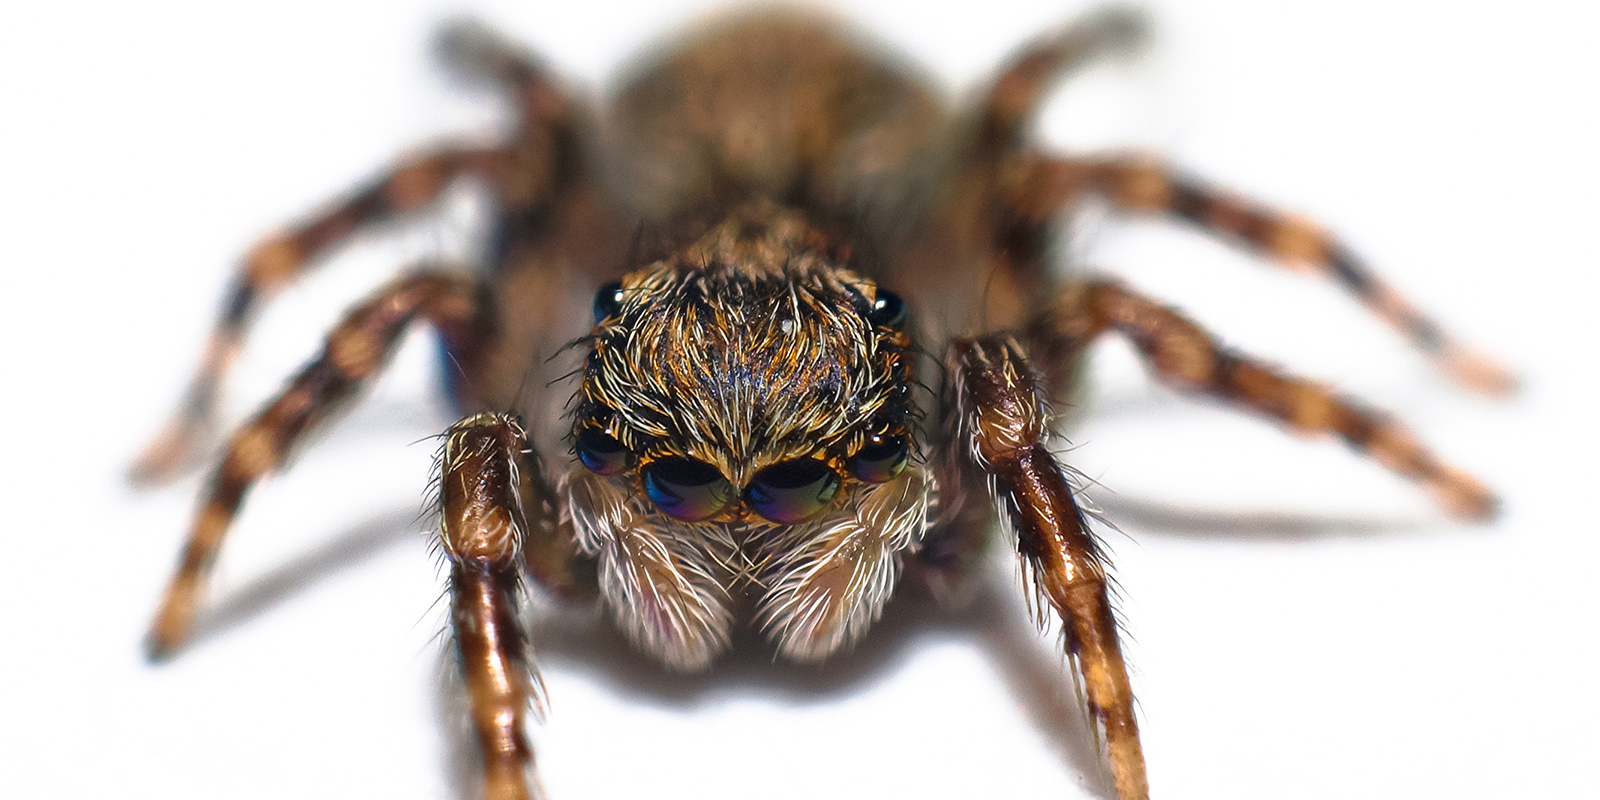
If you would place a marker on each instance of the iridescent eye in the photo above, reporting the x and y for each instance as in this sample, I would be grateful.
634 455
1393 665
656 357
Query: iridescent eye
687 489
887 310
601 452
607 302
881 458
793 491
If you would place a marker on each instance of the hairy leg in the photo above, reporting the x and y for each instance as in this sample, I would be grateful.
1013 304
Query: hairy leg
1040 187
282 258
353 355
484 483
1006 429
1185 356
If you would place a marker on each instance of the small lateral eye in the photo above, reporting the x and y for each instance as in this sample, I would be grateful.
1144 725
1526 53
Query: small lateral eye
881 458
601 452
686 489
607 302
793 491
887 310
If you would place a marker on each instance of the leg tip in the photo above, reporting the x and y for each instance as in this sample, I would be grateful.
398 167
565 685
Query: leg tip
158 649
173 453
1123 26
172 624
1466 499
1481 374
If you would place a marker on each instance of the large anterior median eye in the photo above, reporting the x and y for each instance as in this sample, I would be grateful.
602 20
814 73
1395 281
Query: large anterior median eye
881 458
793 491
601 452
687 489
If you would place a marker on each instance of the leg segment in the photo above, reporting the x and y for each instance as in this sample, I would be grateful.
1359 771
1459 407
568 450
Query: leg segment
481 486
353 354
278 261
1042 187
1005 427
1185 356
544 153
478 52
1017 93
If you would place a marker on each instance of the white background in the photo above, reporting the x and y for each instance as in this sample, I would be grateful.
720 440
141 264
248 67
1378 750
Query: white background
1302 624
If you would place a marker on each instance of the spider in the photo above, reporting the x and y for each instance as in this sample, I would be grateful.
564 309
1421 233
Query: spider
774 332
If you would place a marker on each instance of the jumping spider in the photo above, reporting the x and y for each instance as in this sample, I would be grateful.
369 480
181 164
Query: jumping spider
773 329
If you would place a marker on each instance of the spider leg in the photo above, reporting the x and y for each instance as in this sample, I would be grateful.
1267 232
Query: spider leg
1042 186
354 352
475 51
1005 428
542 153
277 261
483 485
1185 356
1016 94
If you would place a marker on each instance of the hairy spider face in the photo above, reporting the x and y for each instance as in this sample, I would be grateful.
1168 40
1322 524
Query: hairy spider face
744 427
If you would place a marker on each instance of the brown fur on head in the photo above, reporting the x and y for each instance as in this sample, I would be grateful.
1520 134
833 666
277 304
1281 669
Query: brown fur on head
749 347
753 346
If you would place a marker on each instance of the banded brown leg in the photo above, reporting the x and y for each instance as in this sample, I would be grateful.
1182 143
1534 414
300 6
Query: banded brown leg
482 487
1185 356
354 352
1003 422
280 259
1041 187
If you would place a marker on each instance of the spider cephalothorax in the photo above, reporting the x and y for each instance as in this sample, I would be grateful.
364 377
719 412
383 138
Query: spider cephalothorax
744 430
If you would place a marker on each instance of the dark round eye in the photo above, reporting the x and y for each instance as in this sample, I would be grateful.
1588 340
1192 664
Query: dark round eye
887 310
601 452
881 458
607 302
793 491
687 489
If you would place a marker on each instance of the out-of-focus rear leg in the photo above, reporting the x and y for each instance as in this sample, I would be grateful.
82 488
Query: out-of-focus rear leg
353 355
543 153
282 258
1003 424
1027 78
1185 356
1041 187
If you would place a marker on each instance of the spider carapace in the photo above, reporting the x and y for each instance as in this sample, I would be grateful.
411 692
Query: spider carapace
774 329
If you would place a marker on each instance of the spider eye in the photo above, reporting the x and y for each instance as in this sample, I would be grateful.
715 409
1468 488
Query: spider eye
601 452
887 310
607 302
687 489
881 458
793 491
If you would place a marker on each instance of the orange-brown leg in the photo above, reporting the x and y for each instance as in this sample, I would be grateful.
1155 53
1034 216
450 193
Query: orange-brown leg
1042 186
280 259
1185 356
1003 423
355 351
483 483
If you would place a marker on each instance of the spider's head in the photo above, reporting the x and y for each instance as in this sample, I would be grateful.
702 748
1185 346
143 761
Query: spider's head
750 375
745 429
